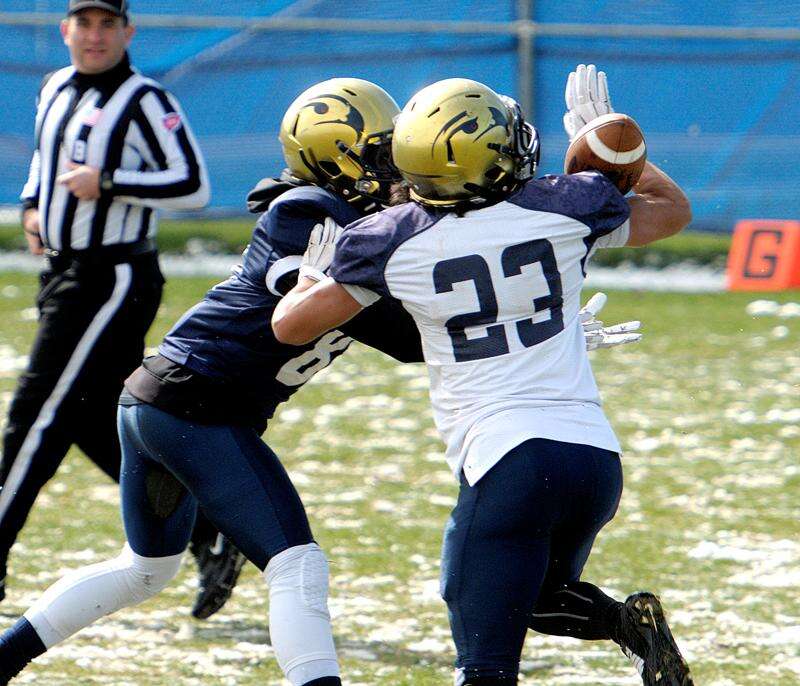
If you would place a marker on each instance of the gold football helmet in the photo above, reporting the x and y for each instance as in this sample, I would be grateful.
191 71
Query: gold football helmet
337 134
457 141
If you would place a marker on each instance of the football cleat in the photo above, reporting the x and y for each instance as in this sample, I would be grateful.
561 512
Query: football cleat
646 640
219 566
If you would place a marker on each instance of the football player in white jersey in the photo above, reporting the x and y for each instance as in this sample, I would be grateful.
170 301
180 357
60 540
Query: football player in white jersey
490 263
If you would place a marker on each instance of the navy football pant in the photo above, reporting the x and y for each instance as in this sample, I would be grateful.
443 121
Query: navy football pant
170 465
529 523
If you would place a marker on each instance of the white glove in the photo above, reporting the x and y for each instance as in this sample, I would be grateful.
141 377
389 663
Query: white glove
321 246
599 336
587 98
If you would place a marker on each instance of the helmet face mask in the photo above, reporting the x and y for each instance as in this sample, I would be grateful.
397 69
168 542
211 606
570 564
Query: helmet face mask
375 160
524 146
332 135
458 142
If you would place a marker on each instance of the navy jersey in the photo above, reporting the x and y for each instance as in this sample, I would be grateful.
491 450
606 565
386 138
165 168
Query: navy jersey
227 337
496 294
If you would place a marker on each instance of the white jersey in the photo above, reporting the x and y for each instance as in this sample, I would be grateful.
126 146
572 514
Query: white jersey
495 294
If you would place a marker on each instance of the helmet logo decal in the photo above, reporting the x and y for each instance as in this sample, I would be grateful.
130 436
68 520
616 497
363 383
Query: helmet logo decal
352 119
468 126
498 119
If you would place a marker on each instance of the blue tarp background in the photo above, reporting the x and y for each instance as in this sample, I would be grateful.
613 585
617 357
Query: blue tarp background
721 116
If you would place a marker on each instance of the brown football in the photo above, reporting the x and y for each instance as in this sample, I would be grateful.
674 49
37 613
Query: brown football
612 144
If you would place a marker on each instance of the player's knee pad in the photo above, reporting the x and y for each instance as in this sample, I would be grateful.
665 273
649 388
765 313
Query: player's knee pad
302 569
88 593
299 621
147 576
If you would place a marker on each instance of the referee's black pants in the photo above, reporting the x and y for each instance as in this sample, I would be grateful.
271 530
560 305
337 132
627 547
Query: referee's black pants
92 324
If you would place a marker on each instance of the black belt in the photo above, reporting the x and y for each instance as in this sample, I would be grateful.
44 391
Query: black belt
98 257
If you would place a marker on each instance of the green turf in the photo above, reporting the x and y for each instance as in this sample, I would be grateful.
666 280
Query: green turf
212 235
691 246
706 407
232 235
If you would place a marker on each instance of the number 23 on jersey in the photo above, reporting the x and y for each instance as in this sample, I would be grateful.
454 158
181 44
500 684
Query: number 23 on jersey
475 268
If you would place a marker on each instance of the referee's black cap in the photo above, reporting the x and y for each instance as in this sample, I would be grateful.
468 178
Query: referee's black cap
118 7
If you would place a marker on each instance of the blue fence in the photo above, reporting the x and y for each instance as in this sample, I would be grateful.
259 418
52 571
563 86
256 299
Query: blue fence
721 116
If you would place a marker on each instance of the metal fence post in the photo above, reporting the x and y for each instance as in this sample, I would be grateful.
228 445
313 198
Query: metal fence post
524 27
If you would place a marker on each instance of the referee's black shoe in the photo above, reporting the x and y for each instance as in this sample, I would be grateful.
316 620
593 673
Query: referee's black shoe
219 565
645 638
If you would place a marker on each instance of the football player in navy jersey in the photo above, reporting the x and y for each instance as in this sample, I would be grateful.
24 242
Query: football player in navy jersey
490 263
191 417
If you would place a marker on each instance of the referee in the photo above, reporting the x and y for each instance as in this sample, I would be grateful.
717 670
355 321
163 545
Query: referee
111 147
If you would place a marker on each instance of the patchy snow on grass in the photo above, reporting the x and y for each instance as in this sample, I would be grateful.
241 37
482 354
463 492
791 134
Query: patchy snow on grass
681 277
11 363
708 520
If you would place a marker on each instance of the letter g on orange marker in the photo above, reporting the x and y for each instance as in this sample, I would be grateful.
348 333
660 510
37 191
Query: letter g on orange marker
764 255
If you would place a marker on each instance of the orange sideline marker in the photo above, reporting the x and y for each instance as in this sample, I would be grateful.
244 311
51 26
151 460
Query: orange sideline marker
764 255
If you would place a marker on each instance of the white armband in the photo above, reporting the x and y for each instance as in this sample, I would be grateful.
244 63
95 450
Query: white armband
280 268
363 296
618 238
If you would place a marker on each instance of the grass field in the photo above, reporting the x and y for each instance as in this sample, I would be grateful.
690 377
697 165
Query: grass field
706 407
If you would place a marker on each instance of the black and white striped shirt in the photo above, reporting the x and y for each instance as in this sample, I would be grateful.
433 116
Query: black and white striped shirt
129 127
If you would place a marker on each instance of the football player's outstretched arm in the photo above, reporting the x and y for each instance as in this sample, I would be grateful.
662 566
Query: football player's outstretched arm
659 209
310 309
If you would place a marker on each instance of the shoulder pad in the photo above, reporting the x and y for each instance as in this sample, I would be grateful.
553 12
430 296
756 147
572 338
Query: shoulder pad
588 197
266 190
366 245
314 201
293 214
